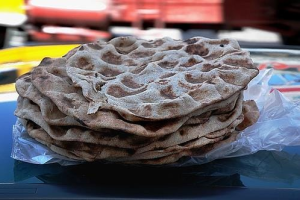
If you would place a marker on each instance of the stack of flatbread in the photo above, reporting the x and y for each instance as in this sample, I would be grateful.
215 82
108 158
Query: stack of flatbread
136 101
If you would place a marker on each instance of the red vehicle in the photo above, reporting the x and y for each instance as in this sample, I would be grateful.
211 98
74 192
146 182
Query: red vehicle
67 20
87 20
98 15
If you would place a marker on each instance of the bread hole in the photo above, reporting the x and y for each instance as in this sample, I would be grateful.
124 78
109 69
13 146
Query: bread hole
227 67
168 64
233 62
191 62
227 77
197 49
111 58
147 99
186 86
222 42
208 67
118 92
44 77
171 107
210 81
158 42
108 72
124 42
198 94
142 54
128 81
151 43
129 62
163 82
139 69
175 47
68 102
214 55
157 58
195 80
147 45
191 40
239 62
168 93
124 45
84 64
121 51
167 75
126 50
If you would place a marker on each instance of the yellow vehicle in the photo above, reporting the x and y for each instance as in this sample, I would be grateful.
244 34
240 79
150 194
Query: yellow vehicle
17 61
12 14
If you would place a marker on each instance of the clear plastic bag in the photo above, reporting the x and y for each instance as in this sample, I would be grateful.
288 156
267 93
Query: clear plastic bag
278 126
27 149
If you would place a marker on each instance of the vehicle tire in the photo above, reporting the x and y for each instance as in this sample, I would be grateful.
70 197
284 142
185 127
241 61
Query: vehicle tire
2 36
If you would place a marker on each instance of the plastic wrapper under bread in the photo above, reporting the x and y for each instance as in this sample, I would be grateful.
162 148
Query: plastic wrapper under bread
278 126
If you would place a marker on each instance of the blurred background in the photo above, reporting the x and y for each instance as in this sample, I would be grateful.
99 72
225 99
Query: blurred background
33 29
268 22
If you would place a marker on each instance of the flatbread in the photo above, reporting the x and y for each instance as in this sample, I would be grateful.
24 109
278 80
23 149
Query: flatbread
189 133
28 110
171 159
194 144
135 101
88 152
84 152
70 101
160 79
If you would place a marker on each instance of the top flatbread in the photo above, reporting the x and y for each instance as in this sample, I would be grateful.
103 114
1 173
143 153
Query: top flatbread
160 79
